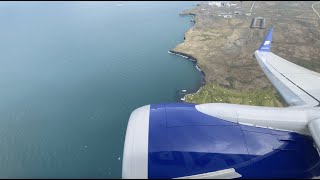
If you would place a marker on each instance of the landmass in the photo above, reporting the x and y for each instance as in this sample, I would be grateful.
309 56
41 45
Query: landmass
223 41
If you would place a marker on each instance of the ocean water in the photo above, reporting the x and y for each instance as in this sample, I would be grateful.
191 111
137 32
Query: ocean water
72 72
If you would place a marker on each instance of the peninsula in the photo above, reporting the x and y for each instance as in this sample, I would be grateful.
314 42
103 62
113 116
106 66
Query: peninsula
225 36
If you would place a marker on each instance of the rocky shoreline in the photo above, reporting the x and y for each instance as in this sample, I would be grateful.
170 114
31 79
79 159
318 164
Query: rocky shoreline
194 60
190 57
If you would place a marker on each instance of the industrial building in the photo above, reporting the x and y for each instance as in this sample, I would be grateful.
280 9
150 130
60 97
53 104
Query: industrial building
258 22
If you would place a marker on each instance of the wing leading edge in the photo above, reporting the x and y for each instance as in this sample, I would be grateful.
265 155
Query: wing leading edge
299 87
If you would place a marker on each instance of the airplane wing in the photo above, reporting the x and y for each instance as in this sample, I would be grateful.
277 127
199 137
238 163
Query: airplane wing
299 87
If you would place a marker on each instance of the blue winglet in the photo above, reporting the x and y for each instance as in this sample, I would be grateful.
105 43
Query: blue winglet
266 44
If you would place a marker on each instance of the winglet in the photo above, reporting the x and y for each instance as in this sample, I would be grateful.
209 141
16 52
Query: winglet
266 44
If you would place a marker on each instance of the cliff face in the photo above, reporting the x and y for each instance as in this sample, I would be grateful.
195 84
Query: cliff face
224 47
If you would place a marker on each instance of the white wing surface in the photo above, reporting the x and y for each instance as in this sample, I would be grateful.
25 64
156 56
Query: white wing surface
299 87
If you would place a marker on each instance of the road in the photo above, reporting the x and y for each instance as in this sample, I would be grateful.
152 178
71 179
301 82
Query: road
315 9
253 5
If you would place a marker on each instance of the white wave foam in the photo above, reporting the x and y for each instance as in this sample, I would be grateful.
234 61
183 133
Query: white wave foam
198 68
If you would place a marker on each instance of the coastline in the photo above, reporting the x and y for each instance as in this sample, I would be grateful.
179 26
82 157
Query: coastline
190 57
227 77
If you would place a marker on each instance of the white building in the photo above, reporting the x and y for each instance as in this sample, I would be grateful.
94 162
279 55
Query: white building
218 4
221 4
